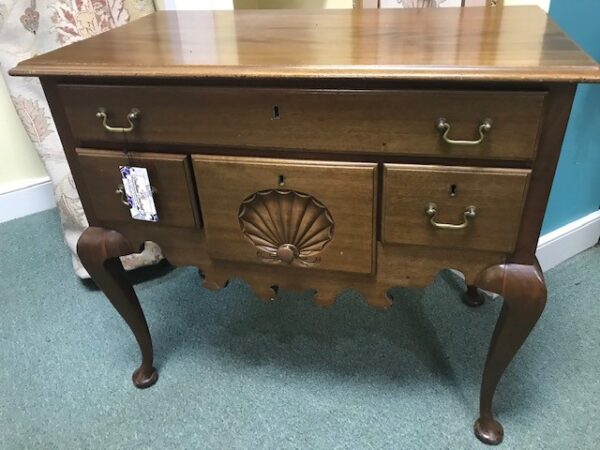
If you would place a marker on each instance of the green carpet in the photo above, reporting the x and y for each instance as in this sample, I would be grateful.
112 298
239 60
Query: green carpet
239 374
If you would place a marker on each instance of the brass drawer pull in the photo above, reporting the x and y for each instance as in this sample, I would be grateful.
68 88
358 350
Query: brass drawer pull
133 115
431 211
444 126
121 191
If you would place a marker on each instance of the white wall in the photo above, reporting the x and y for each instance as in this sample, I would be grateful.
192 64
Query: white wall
544 4
20 165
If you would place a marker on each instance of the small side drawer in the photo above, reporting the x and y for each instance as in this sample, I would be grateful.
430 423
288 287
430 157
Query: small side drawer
457 207
305 214
392 122
170 175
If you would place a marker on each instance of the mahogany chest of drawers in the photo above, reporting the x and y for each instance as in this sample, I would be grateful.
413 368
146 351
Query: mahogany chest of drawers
324 150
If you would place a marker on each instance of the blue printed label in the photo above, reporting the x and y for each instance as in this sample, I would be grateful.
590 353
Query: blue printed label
139 193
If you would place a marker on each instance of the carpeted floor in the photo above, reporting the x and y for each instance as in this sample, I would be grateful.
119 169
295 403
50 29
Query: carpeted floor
239 374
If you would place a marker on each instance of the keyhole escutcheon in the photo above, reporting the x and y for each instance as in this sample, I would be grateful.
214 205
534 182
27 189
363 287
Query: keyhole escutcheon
276 114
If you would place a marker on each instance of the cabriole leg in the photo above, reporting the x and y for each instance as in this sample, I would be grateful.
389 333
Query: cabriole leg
524 293
99 250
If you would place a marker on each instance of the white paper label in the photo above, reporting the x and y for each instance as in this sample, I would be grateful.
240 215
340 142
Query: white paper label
139 193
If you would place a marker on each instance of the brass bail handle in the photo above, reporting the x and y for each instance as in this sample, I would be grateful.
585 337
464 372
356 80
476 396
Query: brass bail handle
443 126
431 211
133 115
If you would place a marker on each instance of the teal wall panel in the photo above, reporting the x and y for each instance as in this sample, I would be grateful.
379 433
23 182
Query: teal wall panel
576 189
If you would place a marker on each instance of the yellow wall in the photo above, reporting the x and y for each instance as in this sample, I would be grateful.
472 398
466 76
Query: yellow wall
20 165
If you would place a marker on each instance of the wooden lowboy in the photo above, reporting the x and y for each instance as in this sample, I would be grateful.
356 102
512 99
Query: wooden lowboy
325 150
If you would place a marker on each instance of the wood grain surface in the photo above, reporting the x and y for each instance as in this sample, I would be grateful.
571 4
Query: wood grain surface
170 175
347 190
502 44
497 194
384 122
397 265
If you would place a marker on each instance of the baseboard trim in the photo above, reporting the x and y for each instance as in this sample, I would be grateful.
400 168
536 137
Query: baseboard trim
569 240
37 197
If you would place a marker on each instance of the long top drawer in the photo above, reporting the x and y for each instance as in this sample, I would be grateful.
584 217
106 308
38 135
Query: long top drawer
401 122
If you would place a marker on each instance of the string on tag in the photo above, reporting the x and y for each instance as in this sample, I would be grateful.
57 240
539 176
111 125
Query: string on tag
128 154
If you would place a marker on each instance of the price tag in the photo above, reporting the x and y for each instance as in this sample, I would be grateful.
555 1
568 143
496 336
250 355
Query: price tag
139 193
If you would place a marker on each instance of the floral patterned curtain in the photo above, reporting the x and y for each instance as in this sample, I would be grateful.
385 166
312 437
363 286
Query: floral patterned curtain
32 27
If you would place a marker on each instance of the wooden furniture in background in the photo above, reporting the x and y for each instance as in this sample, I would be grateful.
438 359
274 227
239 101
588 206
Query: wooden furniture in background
325 150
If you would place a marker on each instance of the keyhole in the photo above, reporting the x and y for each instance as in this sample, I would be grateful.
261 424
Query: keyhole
452 190
276 115
281 181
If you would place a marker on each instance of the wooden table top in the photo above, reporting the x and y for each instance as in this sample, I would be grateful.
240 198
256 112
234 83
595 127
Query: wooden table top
487 44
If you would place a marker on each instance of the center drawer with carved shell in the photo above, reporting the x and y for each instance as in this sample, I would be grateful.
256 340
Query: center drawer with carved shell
310 214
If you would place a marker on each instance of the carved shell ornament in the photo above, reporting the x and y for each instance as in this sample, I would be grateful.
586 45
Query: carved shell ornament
286 226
